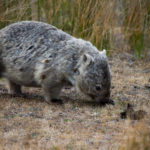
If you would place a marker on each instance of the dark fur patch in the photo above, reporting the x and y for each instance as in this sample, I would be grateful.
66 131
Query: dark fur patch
21 69
2 68
43 76
46 61
31 47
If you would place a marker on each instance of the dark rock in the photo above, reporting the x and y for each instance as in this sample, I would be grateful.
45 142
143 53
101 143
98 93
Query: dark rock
132 114
147 86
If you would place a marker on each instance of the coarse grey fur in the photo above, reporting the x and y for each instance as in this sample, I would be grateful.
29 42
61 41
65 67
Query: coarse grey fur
36 54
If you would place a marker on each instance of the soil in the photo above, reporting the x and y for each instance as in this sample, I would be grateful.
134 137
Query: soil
28 122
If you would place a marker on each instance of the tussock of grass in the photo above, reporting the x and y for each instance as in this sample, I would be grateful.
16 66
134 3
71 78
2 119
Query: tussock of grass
29 123
137 138
113 25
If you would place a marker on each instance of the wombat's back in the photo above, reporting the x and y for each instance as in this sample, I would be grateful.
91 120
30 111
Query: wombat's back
28 41
24 44
27 35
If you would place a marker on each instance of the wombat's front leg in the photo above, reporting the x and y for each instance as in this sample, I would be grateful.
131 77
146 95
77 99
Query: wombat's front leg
14 88
51 94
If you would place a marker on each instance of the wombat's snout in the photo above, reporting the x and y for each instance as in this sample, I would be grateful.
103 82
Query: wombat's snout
99 98
103 98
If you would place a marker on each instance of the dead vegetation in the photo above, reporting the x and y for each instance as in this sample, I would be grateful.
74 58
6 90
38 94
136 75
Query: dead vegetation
29 123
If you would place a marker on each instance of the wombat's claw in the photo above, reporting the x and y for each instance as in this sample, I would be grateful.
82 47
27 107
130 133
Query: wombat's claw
58 101
108 101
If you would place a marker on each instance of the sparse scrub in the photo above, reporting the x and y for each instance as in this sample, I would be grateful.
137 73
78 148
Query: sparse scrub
27 122
137 138
113 25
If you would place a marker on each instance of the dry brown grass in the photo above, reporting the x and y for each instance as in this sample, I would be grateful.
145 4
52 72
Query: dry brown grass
30 123
137 137
114 25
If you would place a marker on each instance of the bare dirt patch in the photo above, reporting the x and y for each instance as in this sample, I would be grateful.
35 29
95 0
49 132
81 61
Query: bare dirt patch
28 122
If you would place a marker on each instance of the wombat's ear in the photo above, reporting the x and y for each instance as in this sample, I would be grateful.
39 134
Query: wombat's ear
87 59
103 52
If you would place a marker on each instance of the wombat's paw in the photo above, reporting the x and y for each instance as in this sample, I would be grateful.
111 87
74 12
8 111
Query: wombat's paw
16 94
57 101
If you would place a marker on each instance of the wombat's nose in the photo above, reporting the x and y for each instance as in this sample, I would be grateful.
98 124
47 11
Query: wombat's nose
107 95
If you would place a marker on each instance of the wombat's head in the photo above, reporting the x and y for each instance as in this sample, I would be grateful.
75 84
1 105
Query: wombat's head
94 78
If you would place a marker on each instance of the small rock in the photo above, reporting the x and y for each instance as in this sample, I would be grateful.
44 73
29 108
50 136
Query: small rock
147 86
136 87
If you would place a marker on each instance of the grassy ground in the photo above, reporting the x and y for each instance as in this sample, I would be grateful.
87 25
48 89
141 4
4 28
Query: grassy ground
30 123
118 26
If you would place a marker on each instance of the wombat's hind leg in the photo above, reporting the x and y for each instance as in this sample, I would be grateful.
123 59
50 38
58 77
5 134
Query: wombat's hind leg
1 68
14 88
52 94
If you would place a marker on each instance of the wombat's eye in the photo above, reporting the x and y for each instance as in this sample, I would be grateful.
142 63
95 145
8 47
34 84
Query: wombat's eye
76 71
98 88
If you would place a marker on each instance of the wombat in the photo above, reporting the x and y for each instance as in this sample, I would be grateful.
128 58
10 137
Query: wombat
36 54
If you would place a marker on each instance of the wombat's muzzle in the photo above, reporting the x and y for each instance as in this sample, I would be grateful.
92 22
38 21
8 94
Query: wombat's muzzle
102 99
97 98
